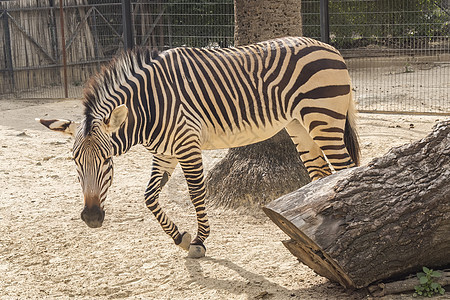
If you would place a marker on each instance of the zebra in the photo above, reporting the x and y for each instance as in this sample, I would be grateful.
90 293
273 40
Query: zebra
184 100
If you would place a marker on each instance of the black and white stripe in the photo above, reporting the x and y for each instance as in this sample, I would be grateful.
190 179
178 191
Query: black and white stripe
184 100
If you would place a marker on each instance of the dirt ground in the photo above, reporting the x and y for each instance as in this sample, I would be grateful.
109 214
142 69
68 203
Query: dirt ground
47 252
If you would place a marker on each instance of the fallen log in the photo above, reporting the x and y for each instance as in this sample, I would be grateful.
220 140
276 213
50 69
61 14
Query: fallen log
381 221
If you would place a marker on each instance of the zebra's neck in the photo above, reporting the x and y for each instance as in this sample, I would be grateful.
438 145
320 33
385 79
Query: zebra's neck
135 92
126 81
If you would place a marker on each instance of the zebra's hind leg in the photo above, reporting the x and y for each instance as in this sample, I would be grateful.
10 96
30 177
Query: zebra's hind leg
190 159
329 136
310 153
162 169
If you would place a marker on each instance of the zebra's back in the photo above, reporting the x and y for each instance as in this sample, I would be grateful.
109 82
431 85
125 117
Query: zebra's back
238 96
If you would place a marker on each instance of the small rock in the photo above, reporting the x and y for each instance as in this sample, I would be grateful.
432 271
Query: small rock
57 143
263 295
23 134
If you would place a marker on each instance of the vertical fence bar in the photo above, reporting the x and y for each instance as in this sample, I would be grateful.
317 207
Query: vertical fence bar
324 22
53 28
95 33
127 25
63 46
8 52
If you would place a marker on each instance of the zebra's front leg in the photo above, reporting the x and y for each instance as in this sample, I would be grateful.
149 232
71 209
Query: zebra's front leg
162 169
191 163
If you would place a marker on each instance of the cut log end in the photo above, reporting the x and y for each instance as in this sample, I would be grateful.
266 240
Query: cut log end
309 253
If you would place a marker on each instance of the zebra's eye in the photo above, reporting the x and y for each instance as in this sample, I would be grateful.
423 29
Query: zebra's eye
107 161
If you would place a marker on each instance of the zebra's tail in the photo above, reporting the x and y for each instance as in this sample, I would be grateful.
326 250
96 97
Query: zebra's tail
350 135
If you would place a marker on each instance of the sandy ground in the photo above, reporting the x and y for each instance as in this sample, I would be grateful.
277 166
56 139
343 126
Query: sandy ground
47 252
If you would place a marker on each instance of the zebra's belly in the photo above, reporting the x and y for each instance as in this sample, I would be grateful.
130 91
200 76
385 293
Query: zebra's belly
237 137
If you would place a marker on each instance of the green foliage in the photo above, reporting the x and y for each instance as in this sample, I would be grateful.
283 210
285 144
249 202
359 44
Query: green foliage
201 23
427 287
392 23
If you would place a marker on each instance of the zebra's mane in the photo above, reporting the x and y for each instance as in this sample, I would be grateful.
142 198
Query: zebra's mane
97 101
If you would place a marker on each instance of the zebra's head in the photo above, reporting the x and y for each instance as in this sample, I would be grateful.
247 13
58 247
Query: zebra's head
92 153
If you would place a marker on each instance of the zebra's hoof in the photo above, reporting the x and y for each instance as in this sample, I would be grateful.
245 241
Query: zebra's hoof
185 241
196 251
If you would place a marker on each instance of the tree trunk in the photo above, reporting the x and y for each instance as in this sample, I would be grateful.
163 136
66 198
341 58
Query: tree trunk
261 20
374 222
256 174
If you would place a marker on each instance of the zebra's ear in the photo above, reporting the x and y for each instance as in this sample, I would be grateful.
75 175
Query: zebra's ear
116 119
64 126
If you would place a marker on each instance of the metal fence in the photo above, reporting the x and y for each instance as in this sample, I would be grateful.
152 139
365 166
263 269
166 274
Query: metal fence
398 51
35 42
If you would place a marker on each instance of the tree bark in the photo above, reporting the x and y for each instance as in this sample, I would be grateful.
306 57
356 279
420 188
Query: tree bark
256 174
374 222
261 20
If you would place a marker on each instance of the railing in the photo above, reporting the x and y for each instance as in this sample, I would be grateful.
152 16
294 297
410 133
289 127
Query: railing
398 51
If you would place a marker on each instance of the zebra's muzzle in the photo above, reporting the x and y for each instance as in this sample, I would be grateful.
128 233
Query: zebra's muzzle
93 216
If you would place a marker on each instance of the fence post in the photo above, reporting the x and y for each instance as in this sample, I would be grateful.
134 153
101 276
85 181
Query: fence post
8 53
127 25
324 22
63 46
95 33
